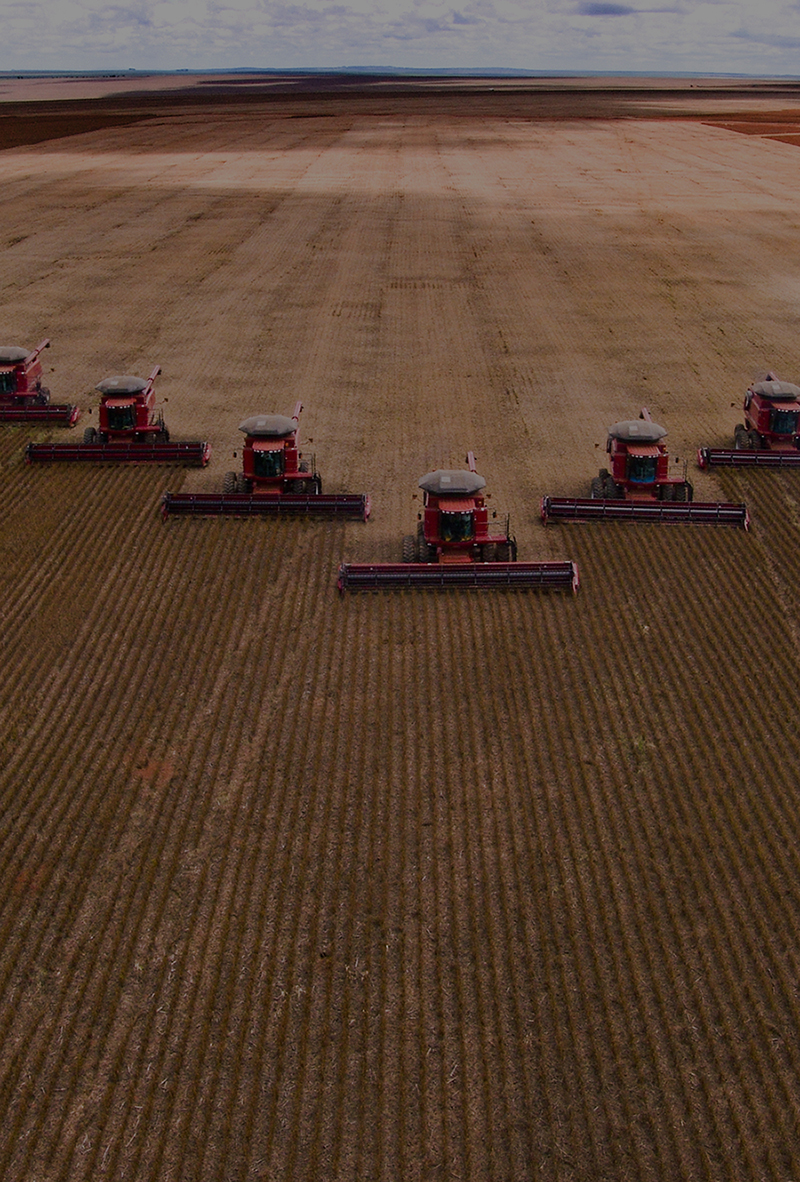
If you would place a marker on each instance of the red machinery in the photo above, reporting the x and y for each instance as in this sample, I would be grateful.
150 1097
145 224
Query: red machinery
130 430
275 479
23 398
639 487
769 437
455 546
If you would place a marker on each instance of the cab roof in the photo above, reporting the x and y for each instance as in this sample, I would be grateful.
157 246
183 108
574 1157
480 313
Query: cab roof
270 426
637 431
781 391
122 384
451 482
12 354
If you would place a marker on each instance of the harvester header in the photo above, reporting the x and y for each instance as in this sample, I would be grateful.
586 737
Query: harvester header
769 437
639 486
456 546
23 398
130 430
276 480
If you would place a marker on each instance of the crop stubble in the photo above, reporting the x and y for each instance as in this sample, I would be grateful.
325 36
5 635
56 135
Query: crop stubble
494 886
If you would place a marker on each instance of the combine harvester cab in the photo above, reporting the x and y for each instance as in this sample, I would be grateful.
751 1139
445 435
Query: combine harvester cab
23 398
639 486
455 546
769 437
130 431
276 479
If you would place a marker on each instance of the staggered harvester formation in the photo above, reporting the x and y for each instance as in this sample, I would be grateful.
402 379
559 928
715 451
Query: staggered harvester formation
23 398
639 486
769 437
276 478
456 545
130 430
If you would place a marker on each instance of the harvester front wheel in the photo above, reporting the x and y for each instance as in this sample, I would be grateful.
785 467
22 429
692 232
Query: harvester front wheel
503 552
409 548
243 485
597 493
681 492
229 483
90 435
489 552
741 439
755 440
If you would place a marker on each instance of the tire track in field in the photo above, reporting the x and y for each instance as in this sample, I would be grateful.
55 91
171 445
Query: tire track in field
746 909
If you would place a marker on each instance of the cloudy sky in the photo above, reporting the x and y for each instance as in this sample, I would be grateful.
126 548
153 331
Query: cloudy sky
715 36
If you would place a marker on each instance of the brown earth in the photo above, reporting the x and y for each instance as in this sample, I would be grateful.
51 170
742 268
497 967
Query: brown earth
406 886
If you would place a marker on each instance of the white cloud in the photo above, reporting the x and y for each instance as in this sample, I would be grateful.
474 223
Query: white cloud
713 35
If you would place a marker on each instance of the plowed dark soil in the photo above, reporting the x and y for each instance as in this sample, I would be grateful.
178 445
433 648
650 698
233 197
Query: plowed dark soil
493 886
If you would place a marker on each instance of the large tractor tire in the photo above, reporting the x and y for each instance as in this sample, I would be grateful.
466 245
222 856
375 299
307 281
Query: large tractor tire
90 435
597 488
409 548
229 483
741 438
755 441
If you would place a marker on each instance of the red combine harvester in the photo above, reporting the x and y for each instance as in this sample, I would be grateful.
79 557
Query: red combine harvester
455 546
275 479
130 431
769 437
23 398
639 487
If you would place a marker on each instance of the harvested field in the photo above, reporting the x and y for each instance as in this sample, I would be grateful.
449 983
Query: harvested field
402 886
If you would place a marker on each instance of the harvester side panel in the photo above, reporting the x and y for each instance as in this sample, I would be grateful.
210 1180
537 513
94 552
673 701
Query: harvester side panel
55 412
189 452
723 457
356 505
543 576
693 512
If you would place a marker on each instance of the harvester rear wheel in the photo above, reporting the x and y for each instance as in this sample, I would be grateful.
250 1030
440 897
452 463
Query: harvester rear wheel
90 435
229 483
409 548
